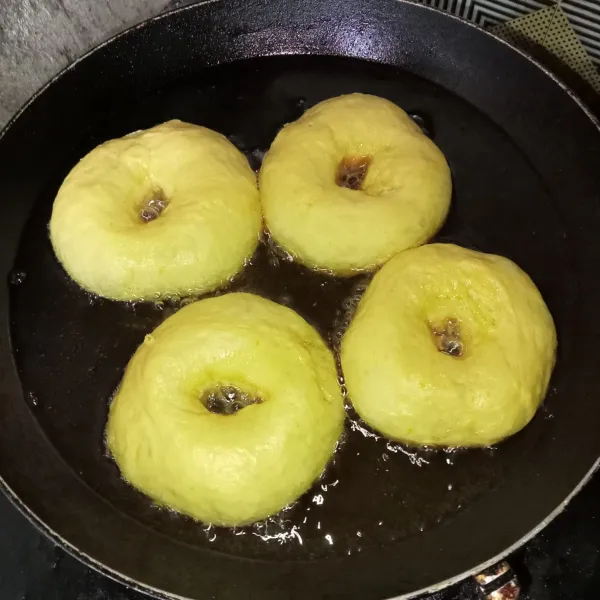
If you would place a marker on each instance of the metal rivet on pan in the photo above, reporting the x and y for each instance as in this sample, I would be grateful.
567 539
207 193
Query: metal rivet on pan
498 583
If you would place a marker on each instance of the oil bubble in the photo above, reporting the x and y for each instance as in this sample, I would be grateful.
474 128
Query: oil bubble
17 277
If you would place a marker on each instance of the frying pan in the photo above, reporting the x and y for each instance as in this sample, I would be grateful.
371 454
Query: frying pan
384 521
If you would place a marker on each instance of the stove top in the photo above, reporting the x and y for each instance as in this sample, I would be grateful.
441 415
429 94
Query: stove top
562 563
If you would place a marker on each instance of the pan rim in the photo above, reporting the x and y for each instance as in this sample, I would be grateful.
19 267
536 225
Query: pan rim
160 594
138 586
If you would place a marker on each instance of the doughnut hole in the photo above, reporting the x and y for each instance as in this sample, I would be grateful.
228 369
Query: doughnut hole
352 172
459 316
153 205
227 399
447 337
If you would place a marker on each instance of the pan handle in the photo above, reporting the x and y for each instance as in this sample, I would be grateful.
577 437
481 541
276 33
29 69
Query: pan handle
499 582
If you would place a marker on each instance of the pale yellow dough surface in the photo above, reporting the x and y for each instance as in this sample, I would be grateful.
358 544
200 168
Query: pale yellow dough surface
210 227
404 387
227 469
403 201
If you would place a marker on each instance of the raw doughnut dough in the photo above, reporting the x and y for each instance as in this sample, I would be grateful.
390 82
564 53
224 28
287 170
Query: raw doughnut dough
351 183
227 469
169 211
449 347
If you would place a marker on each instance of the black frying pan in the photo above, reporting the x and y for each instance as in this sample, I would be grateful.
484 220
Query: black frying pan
385 521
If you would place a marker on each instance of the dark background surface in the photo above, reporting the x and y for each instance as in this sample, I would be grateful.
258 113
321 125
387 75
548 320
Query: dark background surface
562 563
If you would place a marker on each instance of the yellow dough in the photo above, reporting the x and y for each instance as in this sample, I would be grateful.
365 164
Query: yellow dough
449 347
351 183
227 469
171 210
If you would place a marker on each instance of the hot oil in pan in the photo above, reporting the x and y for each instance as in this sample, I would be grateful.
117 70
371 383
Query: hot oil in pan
71 348
313 525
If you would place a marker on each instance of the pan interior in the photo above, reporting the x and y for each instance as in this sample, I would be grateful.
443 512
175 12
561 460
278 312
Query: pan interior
71 348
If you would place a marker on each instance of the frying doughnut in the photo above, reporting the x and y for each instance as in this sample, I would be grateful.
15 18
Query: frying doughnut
351 183
449 347
272 379
169 211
